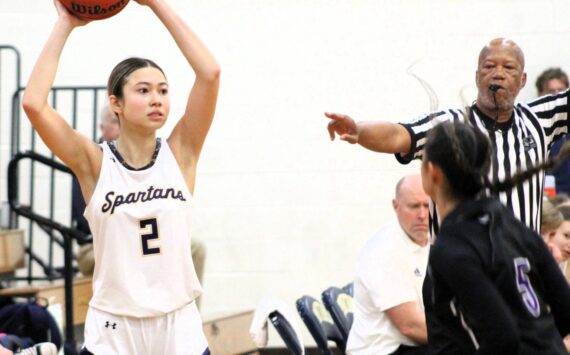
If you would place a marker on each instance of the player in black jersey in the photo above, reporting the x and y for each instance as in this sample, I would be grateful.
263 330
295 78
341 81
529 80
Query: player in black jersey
495 288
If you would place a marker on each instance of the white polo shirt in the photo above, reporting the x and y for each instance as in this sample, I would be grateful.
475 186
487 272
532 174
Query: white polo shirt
390 271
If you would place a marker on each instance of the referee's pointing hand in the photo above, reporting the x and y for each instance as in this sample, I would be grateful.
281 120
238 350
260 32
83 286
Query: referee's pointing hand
342 125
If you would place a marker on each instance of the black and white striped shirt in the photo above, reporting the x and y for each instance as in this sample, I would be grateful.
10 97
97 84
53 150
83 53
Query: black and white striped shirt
523 140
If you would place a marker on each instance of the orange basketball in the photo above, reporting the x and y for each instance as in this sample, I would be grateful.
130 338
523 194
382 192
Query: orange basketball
94 9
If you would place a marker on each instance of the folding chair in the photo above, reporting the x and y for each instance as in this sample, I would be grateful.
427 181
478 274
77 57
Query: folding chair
339 304
320 324
286 332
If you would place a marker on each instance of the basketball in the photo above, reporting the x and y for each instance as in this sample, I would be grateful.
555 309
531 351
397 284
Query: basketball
94 9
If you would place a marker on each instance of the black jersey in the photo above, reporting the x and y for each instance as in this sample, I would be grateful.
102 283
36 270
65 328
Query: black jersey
523 140
495 287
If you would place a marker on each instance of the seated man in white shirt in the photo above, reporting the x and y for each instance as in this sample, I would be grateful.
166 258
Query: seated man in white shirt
388 306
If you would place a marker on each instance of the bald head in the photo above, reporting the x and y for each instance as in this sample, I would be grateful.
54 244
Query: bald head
407 183
109 124
411 207
502 44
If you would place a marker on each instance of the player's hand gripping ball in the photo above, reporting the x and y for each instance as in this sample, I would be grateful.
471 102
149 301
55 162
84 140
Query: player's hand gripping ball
94 9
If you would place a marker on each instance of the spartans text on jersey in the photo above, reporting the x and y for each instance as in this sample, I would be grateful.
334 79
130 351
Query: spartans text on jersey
150 194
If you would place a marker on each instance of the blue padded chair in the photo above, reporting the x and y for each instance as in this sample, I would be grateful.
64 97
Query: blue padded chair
286 332
349 288
320 324
339 304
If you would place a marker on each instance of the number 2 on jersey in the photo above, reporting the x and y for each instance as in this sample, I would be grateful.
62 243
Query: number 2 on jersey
522 267
149 233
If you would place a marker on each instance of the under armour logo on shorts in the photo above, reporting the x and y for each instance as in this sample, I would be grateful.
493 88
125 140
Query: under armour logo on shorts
107 325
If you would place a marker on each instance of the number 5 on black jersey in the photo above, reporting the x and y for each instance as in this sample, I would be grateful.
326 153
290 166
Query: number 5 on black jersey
522 268
149 236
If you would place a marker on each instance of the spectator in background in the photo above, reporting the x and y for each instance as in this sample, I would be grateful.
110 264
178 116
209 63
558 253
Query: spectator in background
109 125
560 199
562 240
551 220
553 81
388 306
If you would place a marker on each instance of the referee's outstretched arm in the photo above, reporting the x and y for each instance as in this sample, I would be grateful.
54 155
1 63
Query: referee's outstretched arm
378 136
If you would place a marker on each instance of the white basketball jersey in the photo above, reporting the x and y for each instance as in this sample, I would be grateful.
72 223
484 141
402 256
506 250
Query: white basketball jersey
140 221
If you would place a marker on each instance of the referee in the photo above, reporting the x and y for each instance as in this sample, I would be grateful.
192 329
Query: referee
521 134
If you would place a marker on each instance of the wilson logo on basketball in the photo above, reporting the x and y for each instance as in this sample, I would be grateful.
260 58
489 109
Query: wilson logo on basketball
82 9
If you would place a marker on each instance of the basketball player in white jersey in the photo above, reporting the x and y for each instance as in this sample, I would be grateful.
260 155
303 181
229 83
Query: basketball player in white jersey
139 193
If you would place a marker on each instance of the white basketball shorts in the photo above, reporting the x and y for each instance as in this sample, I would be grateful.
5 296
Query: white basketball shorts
176 333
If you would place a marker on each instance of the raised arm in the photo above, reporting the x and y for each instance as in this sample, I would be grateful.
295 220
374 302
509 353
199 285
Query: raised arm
190 132
75 150
378 136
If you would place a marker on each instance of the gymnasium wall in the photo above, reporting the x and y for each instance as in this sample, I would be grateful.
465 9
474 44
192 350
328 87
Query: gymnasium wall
282 210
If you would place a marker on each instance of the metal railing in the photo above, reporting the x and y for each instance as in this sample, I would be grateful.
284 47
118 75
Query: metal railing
64 239
40 200
6 125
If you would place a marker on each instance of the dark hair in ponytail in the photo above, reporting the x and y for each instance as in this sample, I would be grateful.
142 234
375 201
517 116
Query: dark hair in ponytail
523 175
464 153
